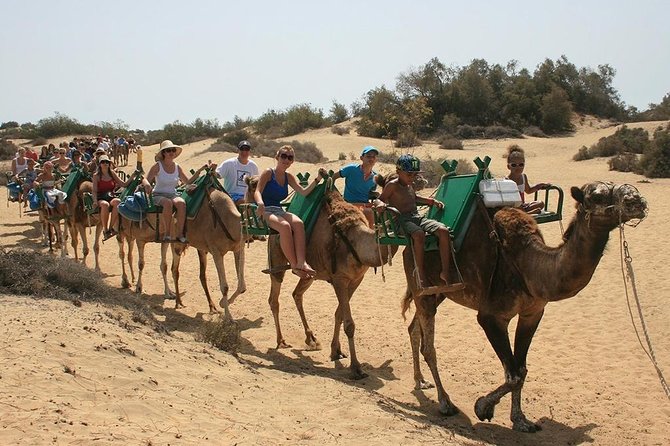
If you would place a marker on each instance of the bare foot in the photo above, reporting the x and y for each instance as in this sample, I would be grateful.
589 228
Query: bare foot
301 273
308 269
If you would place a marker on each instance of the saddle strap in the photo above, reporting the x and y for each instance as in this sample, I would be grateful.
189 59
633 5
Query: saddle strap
346 241
217 217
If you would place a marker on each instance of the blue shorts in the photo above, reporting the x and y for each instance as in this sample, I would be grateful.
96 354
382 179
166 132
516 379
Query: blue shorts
237 197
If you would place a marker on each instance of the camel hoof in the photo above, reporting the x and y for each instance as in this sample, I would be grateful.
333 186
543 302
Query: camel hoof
283 344
422 384
337 356
179 306
138 289
524 425
313 344
125 283
484 409
448 409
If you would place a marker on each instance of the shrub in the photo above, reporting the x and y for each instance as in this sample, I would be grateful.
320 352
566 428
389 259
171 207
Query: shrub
7 149
342 156
39 141
222 334
299 118
221 146
499 131
9 125
338 113
407 138
466 131
582 154
450 123
655 162
340 130
235 136
624 162
450 142
534 131
307 152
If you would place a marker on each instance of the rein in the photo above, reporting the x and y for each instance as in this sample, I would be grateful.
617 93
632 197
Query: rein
342 235
216 216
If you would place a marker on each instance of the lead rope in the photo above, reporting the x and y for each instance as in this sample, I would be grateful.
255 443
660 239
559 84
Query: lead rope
629 275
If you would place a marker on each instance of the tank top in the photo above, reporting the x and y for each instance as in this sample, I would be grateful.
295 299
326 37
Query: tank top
274 193
106 186
21 167
166 183
522 187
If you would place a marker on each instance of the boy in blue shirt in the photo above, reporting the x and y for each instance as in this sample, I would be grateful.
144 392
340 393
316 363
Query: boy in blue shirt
359 181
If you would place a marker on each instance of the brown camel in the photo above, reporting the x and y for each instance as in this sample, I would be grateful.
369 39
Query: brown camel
518 276
215 229
79 220
341 253
142 233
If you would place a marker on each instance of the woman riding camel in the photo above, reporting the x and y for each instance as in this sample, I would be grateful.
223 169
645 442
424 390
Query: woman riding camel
271 190
62 164
105 181
166 174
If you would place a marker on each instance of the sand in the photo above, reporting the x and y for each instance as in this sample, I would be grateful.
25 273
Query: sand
93 375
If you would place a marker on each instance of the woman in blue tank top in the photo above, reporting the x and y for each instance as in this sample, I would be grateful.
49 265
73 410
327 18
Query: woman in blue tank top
272 189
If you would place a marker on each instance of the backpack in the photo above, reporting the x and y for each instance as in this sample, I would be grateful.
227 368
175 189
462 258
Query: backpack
134 207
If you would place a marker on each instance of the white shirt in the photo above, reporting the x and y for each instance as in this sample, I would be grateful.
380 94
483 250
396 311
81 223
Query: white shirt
232 171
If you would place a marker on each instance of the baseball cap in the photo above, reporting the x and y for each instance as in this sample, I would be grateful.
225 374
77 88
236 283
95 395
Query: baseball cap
244 143
368 149
409 163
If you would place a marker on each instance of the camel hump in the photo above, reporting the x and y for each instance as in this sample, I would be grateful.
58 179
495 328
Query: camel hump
515 226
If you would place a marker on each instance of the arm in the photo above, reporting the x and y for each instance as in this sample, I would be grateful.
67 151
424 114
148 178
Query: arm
429 202
186 180
258 197
532 189
151 176
381 202
303 190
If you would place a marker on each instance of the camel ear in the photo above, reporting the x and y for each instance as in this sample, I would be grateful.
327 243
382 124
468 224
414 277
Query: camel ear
577 194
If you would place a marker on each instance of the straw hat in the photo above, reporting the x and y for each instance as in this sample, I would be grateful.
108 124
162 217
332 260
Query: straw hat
104 158
167 144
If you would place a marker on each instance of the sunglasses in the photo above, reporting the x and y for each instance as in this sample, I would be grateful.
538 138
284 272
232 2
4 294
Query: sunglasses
170 150
286 156
244 149
516 164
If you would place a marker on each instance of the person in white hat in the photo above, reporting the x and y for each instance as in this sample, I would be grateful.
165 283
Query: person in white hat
166 175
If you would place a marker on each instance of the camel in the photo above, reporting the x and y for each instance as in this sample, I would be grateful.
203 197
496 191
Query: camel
517 276
79 220
341 253
215 229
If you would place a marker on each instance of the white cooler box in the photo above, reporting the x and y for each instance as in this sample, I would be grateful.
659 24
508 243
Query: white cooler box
499 192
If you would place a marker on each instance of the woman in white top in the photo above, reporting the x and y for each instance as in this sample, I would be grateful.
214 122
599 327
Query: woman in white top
20 163
166 174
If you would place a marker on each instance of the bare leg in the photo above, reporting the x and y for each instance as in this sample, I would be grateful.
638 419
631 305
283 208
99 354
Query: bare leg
114 220
104 214
444 240
180 206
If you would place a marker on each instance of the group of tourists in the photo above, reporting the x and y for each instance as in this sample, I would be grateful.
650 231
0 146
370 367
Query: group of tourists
165 175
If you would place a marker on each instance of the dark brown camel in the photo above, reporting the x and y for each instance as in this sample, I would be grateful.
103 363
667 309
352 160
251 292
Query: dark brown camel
79 220
328 253
518 277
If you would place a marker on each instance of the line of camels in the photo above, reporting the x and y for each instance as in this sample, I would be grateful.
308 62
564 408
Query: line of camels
511 274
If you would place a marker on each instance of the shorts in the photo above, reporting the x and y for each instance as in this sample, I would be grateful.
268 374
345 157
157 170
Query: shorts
237 197
107 196
411 223
159 195
274 210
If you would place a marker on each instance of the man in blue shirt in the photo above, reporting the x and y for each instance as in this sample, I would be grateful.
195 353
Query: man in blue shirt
359 181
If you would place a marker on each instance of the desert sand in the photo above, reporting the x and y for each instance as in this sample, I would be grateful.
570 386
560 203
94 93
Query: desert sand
589 380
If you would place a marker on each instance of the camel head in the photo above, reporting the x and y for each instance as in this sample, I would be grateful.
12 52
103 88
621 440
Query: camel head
252 183
608 203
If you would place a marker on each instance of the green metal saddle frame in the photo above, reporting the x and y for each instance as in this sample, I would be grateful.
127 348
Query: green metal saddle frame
459 194
305 207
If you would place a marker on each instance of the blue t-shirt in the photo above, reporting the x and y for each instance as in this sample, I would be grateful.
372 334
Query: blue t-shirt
356 188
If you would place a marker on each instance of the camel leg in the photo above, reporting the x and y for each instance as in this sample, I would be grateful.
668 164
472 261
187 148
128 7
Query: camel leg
74 233
223 284
96 246
335 347
239 269
140 266
343 292
202 261
167 292
426 308
496 332
525 330
122 257
298 293
176 259
414 330
273 300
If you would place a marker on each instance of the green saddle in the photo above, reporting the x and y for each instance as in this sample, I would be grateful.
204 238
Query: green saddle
196 195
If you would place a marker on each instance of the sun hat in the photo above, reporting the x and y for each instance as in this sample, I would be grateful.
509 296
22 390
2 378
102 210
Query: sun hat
167 144
409 163
104 158
244 143
368 149
100 150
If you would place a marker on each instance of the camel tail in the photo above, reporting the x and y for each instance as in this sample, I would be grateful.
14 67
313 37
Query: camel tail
406 303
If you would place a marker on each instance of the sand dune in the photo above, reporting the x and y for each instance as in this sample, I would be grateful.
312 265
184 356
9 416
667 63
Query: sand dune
589 380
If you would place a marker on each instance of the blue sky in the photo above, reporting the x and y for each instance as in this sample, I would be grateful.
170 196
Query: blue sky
150 62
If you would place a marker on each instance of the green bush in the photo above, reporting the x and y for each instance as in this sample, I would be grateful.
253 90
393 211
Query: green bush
655 162
9 125
302 117
466 131
338 113
624 162
556 111
235 136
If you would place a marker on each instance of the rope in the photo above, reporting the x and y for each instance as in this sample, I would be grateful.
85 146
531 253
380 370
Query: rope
629 275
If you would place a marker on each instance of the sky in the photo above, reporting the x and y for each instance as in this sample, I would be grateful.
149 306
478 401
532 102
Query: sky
149 63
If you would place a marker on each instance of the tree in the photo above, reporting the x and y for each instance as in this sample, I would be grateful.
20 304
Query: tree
338 113
556 111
